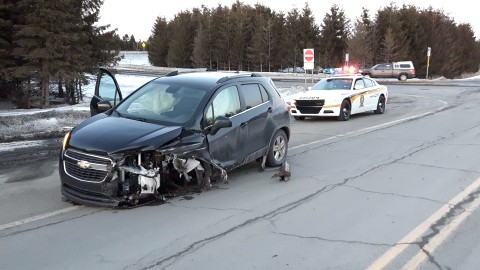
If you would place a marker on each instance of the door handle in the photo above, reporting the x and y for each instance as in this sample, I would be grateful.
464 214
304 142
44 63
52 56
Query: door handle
243 124
270 109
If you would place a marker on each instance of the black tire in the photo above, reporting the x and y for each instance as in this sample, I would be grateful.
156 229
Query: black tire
402 77
345 110
278 149
299 117
380 105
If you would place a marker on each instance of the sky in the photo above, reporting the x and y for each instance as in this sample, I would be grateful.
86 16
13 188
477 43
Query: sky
138 16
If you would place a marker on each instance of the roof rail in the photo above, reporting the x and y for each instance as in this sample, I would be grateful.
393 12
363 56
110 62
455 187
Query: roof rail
237 74
176 72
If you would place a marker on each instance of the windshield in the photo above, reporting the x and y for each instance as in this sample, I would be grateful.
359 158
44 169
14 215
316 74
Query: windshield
164 103
333 84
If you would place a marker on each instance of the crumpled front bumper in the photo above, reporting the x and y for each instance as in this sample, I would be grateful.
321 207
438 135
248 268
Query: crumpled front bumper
85 193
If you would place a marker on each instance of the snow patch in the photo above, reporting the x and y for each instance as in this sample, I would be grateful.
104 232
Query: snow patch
11 146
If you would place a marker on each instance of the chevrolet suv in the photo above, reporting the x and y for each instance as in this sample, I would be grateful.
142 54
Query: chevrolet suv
175 131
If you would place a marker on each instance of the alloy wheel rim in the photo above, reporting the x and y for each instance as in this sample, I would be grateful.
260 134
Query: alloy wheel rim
279 148
346 110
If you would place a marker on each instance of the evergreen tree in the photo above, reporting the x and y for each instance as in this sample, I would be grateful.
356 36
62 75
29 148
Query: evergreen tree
59 41
470 55
416 32
42 40
240 27
220 29
200 52
181 43
126 42
389 46
294 54
334 37
6 32
200 55
394 34
444 60
279 46
256 50
159 43
309 34
132 44
360 45
7 61
99 47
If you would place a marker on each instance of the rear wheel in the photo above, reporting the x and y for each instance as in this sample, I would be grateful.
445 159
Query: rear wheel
402 77
345 110
299 117
380 105
278 149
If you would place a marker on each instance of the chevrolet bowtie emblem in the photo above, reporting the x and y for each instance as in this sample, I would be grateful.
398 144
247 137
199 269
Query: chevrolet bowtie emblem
83 164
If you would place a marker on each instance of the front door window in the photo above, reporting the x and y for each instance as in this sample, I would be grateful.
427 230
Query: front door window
108 89
226 103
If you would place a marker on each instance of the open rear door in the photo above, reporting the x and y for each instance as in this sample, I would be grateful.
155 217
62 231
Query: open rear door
107 93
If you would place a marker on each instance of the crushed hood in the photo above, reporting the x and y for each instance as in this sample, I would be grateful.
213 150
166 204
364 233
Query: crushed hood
117 134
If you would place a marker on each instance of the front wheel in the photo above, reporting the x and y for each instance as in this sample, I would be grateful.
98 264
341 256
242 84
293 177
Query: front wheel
278 149
345 110
380 105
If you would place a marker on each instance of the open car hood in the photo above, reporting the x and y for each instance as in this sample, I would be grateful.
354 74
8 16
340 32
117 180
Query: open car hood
117 134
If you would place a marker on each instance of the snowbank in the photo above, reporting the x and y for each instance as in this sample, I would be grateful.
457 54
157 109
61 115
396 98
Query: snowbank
21 125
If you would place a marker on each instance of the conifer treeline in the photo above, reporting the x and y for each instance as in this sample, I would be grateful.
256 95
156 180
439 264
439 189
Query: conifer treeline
244 37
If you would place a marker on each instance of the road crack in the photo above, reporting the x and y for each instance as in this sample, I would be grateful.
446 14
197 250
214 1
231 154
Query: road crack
397 195
439 224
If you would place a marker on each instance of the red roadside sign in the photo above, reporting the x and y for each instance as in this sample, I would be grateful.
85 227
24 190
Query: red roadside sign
308 55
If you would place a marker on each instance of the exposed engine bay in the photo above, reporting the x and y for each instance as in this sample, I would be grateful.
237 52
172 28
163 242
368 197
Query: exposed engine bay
153 175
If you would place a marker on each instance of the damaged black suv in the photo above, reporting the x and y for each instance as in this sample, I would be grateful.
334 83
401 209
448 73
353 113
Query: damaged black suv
176 131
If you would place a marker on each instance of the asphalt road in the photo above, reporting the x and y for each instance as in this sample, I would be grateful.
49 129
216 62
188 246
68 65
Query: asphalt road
391 191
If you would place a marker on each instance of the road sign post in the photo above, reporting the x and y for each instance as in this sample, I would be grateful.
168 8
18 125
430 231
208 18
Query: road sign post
308 59
429 52
308 62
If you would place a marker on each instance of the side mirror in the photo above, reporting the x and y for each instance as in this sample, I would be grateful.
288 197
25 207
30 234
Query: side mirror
220 122
104 106
309 88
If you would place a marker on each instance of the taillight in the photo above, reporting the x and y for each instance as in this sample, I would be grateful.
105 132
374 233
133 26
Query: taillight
290 104
413 72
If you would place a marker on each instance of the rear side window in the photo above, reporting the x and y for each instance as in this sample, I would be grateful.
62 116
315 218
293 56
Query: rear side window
274 88
226 103
252 94
368 82
265 97
359 84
